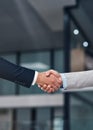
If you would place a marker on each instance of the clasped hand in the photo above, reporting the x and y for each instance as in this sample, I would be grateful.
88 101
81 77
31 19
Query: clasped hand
49 81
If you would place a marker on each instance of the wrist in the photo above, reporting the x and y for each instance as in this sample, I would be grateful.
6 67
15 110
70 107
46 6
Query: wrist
38 80
64 79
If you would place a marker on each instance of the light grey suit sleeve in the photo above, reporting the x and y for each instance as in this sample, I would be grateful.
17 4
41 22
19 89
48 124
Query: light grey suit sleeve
78 80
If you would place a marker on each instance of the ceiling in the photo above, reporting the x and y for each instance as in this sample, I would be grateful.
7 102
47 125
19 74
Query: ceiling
30 24
51 11
88 7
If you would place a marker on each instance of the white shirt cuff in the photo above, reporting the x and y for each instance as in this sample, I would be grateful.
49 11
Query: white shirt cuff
64 79
35 78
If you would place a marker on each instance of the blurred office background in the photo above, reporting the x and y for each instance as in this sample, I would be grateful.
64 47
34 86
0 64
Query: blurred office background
42 35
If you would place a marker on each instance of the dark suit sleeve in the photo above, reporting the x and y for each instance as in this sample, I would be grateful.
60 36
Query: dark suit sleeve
15 73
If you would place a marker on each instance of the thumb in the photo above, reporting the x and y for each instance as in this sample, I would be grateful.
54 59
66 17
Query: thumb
55 73
48 73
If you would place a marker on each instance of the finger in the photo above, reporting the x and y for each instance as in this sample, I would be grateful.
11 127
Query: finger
43 89
39 86
55 88
44 86
58 81
57 85
54 82
48 87
51 90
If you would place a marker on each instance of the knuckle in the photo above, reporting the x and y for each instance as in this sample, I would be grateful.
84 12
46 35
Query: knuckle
53 80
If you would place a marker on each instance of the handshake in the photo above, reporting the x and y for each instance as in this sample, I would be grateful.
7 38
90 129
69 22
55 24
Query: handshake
49 81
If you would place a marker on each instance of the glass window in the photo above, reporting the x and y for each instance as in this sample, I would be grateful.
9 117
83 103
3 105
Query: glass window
23 119
43 118
81 111
59 61
39 61
58 119
7 87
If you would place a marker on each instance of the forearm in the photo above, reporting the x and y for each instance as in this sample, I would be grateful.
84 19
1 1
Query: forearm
76 80
16 74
